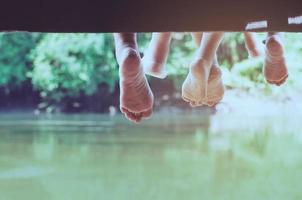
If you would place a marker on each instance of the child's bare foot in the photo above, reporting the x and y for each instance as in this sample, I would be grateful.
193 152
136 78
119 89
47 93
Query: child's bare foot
275 68
194 88
153 68
215 87
136 98
156 55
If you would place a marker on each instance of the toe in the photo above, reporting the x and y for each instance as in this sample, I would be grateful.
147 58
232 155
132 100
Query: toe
131 116
185 99
147 114
270 81
282 81
212 103
193 103
123 110
278 82
138 120
138 117
200 103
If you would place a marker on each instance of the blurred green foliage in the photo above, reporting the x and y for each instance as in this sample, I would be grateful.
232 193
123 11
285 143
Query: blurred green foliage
70 65
15 61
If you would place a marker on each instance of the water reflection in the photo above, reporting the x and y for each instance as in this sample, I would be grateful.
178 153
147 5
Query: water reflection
184 156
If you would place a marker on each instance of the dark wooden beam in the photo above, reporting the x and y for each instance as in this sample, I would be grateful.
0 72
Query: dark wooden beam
147 15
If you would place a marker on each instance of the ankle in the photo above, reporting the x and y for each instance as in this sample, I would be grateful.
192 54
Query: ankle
200 66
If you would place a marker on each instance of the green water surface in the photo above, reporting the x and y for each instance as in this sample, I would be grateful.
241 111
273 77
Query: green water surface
175 156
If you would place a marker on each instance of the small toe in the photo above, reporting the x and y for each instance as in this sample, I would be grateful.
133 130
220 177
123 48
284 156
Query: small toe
278 82
200 103
138 115
123 110
131 116
185 99
210 104
147 113
282 81
193 103
269 81
138 120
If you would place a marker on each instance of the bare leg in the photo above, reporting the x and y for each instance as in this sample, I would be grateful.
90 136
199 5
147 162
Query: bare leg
275 68
136 98
197 37
252 45
215 89
195 87
156 55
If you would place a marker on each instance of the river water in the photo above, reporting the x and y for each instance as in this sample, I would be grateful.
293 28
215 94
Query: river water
174 155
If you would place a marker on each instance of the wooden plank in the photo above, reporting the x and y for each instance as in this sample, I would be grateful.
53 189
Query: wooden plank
147 15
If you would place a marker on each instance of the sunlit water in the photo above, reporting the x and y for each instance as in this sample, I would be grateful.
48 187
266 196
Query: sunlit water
174 155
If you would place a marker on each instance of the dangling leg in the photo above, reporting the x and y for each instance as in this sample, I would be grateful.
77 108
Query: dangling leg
136 98
156 55
194 88
252 45
215 89
275 68
197 37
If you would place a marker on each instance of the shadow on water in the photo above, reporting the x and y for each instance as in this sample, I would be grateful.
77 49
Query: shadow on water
171 156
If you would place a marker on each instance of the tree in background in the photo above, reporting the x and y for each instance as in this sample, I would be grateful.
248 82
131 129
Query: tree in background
15 62
72 64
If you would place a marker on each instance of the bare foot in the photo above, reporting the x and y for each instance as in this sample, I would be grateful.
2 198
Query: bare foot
154 68
156 55
194 88
136 98
275 68
215 87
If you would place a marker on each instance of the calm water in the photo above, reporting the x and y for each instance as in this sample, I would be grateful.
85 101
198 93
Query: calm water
172 156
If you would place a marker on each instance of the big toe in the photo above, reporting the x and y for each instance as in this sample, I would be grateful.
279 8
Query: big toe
134 117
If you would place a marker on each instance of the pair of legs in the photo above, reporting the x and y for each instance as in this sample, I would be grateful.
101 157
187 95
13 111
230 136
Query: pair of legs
136 98
274 67
203 85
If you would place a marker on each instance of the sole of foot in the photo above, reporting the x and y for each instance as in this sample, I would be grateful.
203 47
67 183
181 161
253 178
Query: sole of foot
275 67
136 98
194 88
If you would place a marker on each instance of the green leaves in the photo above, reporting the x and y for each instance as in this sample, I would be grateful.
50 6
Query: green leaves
71 64
14 57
